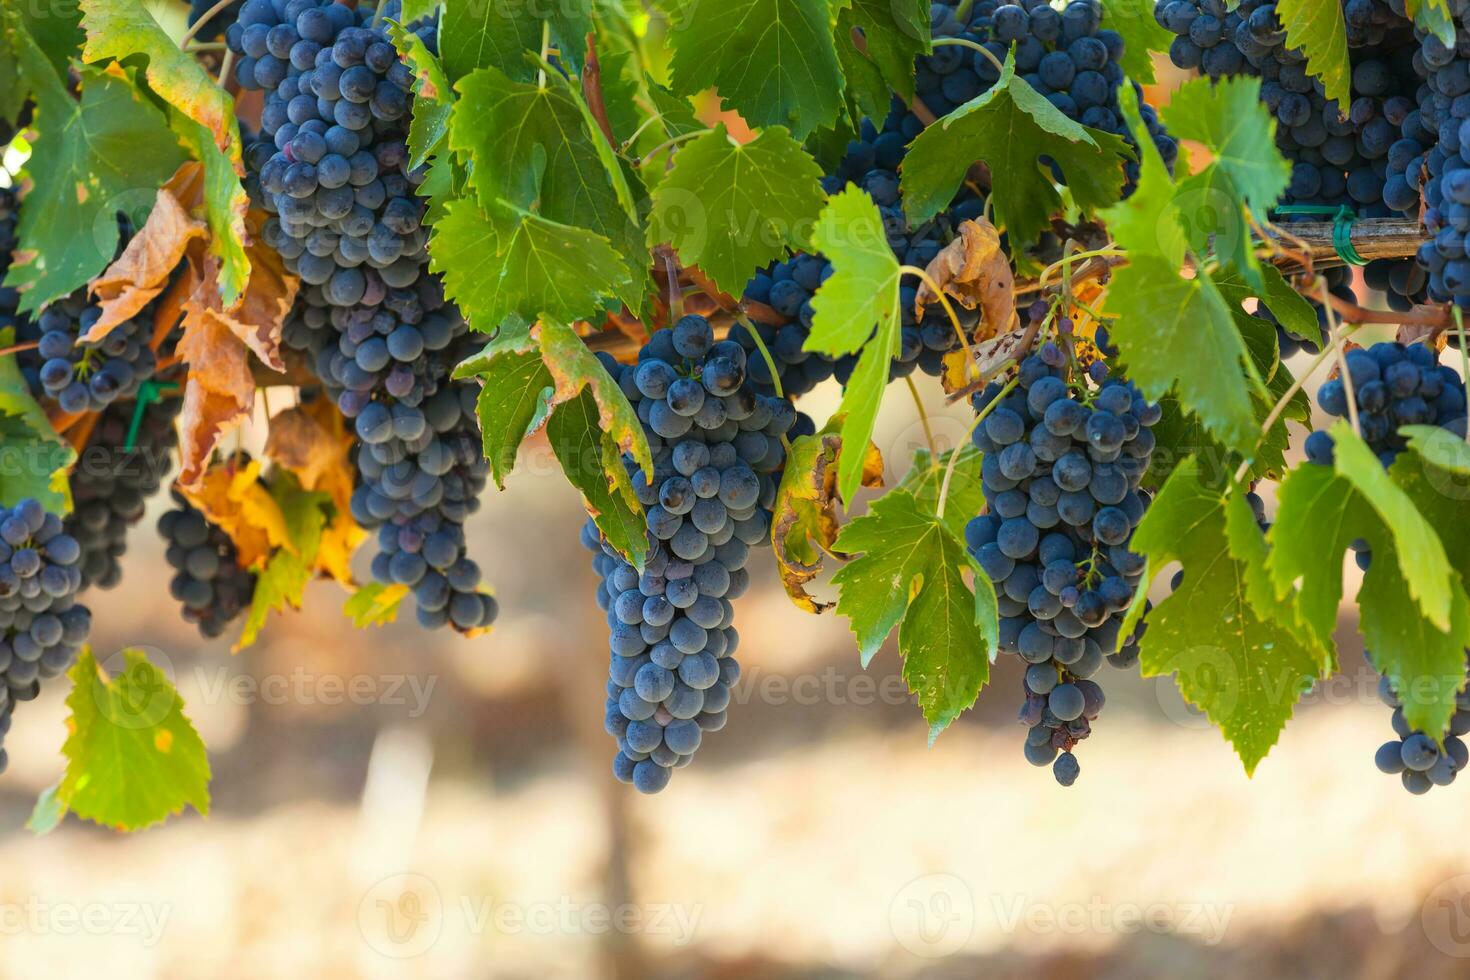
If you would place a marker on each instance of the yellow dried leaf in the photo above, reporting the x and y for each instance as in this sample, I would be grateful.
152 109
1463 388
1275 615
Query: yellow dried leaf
233 499
313 442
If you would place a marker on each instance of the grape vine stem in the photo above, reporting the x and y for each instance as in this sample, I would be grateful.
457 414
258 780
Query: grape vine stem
1335 335
923 415
1464 357
1297 384
954 455
202 22
964 42
592 91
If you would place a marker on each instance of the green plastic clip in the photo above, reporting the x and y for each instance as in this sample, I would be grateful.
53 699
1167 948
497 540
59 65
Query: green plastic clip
149 392
1343 219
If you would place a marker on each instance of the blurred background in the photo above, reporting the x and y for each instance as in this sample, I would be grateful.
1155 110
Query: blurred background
389 803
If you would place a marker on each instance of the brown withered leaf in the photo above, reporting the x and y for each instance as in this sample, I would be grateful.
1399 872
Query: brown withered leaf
1413 333
217 345
804 521
313 442
974 270
220 389
142 272
260 314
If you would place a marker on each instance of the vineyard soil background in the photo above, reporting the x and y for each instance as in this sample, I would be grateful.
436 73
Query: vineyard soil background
786 488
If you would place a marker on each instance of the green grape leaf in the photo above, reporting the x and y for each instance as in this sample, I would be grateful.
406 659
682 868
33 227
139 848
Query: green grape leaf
433 101
1425 565
1318 31
1289 307
54 27
133 758
1179 335
593 465
1441 449
1433 16
48 812
1243 670
110 151
504 261
225 206
417 9
1230 118
34 460
862 292
1142 35
1322 511
925 481
1180 434
124 29
730 208
675 114
478 34
532 148
909 576
1009 127
773 61
893 35
375 604
867 95
1147 222
621 87
549 369
514 402
574 367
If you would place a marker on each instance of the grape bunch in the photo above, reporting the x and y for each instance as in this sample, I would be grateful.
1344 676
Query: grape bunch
1358 157
1416 758
787 288
208 581
1393 385
1434 161
420 462
334 177
717 451
42 627
111 485
1061 474
1338 156
332 168
86 377
1065 55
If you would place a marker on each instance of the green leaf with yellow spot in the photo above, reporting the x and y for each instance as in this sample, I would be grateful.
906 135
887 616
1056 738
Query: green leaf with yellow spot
133 758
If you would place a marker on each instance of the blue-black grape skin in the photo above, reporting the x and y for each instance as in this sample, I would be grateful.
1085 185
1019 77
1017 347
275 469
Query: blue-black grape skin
1341 155
42 625
375 324
1063 587
872 163
673 640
